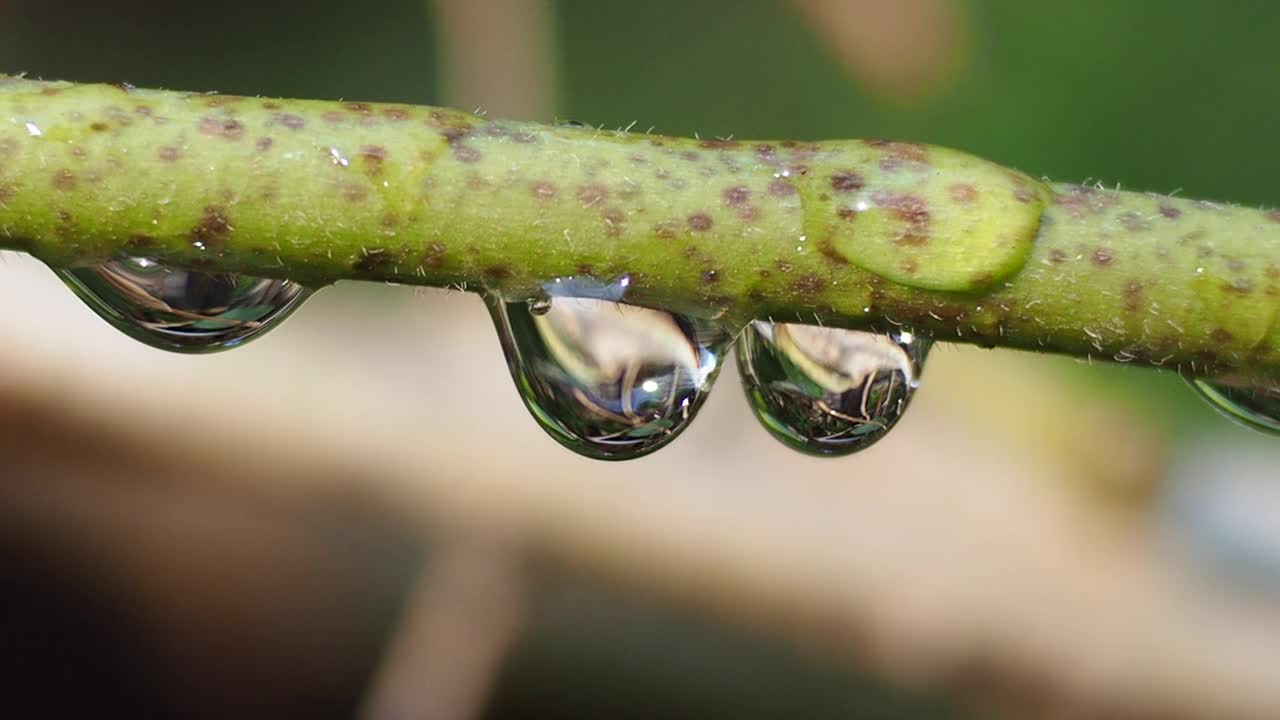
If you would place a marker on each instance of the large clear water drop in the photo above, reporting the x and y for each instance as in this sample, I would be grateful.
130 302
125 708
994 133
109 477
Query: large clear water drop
183 310
828 391
1256 405
607 380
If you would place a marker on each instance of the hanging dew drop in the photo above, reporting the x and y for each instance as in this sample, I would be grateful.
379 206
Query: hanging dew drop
183 310
539 305
606 380
1251 404
828 391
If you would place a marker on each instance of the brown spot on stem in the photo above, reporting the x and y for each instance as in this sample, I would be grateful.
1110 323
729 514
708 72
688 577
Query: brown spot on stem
700 222
736 196
710 277
64 180
907 208
690 156
333 117
1239 286
1221 335
293 122
373 156
1132 221
353 192
1132 295
543 190
271 105
847 214
963 193
264 144
913 152
766 154
221 127
99 127
666 230
1102 257
435 255
218 101
373 260
719 144
502 130
7 191
1273 216
1023 195
466 154
829 252
358 107
910 210
781 188
169 154
808 284
908 266
613 218
1081 200
140 242
212 228
592 194
847 181
1170 212
497 272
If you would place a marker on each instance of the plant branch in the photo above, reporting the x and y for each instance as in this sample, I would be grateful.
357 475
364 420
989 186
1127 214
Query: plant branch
851 233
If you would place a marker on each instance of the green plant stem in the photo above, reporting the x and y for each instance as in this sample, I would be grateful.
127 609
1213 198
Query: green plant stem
850 233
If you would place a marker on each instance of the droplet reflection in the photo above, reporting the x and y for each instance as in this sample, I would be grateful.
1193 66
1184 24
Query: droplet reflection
1256 405
828 391
606 380
183 310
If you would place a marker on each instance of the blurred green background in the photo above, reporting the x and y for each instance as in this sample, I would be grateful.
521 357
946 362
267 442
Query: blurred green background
1161 96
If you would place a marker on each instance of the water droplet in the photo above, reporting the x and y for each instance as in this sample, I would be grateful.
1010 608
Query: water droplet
1252 404
183 310
606 380
828 391
539 305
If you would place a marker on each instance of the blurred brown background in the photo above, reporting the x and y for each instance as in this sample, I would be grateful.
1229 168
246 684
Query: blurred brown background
356 517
